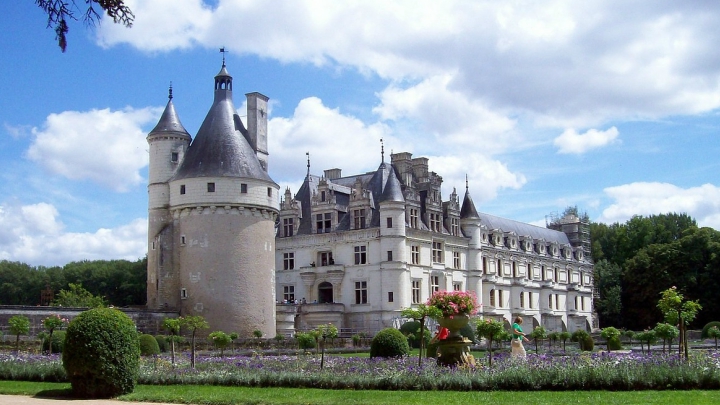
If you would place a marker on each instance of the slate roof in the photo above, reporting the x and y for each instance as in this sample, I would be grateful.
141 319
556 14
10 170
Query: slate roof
523 229
170 122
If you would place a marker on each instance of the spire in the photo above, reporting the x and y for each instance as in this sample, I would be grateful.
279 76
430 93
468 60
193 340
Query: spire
223 81
468 211
393 188
308 164
382 151
169 120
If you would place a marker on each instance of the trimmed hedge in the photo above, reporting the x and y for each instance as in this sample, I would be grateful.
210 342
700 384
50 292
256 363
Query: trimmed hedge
389 342
102 354
149 345
58 340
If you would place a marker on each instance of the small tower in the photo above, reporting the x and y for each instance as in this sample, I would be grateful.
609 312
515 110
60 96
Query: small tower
168 142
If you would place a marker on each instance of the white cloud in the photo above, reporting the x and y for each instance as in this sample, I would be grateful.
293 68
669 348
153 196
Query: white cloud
34 234
649 198
332 138
572 142
104 146
562 63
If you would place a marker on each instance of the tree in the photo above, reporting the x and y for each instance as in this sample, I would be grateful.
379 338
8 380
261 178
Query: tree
172 325
51 323
19 325
489 329
78 297
538 334
678 310
714 333
220 340
608 283
552 339
667 333
609 334
193 322
326 331
233 338
60 11
564 336
421 313
646 336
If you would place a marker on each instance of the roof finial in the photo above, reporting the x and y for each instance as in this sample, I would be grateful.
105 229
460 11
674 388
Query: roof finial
170 92
467 187
382 150
223 51
308 164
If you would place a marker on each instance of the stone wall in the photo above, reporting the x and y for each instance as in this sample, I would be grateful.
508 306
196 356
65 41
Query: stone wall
147 321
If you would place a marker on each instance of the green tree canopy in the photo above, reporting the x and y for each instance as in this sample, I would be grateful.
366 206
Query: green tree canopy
78 297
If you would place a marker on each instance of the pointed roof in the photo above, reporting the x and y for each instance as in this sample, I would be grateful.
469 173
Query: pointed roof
169 121
468 210
393 188
219 148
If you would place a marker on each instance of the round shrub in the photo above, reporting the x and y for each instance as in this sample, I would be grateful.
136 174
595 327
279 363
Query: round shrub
588 344
58 339
162 343
149 345
389 342
101 355
614 343
707 327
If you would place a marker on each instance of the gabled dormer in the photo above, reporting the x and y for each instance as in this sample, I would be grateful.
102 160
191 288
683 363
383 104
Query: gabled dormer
290 215
360 206
451 214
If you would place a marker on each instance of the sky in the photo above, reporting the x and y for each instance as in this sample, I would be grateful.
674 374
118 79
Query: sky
610 106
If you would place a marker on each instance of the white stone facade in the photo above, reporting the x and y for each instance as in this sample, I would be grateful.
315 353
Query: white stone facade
361 277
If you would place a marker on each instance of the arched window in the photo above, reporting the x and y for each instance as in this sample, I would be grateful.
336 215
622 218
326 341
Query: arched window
492 298
325 293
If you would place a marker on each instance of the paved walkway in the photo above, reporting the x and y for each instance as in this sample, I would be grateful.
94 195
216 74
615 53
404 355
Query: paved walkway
23 400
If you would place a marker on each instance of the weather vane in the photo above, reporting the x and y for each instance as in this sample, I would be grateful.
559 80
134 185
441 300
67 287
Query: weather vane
223 51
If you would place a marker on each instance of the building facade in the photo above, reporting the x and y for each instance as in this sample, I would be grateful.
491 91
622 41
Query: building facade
211 216
356 250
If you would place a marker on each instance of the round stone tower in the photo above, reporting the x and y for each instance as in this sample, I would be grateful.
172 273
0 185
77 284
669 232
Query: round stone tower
168 142
224 205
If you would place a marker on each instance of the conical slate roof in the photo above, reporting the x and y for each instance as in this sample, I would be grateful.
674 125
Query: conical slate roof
220 149
170 122
393 189
468 211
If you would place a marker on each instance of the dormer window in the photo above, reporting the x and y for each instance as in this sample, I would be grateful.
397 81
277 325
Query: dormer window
322 196
324 222
359 218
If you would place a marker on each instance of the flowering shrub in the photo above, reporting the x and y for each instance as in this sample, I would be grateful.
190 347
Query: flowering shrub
452 303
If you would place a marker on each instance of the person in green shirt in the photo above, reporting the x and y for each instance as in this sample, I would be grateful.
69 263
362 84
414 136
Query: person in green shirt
517 338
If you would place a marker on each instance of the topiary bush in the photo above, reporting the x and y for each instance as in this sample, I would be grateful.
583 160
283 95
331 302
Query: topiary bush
709 325
162 343
149 345
614 343
58 339
101 355
389 342
588 344
412 327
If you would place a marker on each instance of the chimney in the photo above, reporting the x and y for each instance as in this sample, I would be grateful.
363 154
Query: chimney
257 126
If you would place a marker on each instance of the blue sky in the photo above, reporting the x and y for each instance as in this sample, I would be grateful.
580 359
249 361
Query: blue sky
608 105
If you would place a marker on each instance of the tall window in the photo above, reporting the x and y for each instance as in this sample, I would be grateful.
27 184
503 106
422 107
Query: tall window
435 222
289 260
434 284
415 253
288 226
324 222
530 299
484 265
456 260
416 291
174 156
582 303
557 301
550 301
361 292
326 258
457 286
437 250
455 226
289 293
522 300
359 216
501 298
414 218
243 188
389 222
390 296
514 269
492 298
182 189
361 254
389 255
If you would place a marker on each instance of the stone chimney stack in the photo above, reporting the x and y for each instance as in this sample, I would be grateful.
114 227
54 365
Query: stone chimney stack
257 126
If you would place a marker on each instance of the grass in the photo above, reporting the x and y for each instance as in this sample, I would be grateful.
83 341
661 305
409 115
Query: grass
217 395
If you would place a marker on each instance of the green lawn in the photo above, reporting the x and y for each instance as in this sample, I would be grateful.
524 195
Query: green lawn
240 395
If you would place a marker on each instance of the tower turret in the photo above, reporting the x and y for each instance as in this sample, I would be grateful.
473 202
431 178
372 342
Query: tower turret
168 142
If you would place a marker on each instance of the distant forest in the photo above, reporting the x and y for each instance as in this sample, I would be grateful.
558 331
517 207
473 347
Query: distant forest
634 262
637 260
120 282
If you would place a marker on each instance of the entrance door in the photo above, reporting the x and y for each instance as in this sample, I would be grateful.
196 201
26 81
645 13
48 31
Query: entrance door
325 293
